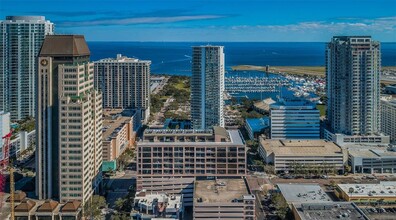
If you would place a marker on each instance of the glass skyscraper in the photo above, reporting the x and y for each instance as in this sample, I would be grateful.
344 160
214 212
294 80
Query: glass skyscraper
207 87
21 38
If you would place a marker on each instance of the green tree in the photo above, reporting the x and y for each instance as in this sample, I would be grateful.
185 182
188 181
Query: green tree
253 145
119 204
280 204
125 158
120 216
92 208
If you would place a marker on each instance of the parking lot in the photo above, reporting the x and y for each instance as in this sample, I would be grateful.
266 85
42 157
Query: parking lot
119 186
384 213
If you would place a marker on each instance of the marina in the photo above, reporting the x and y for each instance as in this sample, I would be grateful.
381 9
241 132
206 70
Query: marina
259 85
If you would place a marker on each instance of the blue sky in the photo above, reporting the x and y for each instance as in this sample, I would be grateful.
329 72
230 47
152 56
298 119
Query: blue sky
213 20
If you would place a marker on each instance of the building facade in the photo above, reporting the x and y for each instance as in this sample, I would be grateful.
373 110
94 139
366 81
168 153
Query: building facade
207 87
371 159
388 117
294 119
68 121
21 38
119 133
353 65
170 160
223 199
4 128
125 83
257 126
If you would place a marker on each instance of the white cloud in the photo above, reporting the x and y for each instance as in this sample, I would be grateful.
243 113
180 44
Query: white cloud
140 20
362 25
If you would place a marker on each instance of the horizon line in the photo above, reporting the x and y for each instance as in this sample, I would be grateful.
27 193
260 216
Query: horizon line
222 41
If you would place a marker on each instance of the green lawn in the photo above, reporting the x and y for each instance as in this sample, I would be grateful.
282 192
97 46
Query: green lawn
322 109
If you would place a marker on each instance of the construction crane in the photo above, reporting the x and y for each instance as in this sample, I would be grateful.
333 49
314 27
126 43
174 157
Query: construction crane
5 164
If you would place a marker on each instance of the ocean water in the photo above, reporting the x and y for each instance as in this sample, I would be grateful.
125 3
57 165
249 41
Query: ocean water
175 57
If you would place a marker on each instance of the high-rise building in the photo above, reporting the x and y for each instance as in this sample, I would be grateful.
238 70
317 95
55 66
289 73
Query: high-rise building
124 83
68 121
353 65
388 117
4 129
207 87
21 38
294 119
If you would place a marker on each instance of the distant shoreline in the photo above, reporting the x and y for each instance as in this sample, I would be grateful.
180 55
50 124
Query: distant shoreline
295 70
318 71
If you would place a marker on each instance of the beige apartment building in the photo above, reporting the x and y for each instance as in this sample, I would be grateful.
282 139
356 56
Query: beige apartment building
124 82
170 160
223 199
119 132
68 121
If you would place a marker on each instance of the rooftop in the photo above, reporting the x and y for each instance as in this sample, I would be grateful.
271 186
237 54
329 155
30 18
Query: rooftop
301 193
164 201
71 206
64 45
122 59
113 122
371 152
329 211
284 103
383 189
48 206
25 206
257 124
216 135
300 147
220 190
25 18
389 99
264 104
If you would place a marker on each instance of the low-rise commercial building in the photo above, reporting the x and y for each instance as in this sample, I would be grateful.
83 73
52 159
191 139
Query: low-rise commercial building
223 199
157 206
119 133
371 159
327 211
290 155
170 160
384 192
303 193
257 126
